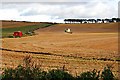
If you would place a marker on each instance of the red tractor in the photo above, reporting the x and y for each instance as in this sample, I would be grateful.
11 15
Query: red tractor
17 34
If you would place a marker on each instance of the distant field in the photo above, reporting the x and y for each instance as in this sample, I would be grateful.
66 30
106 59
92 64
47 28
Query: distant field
12 24
91 46
81 28
8 28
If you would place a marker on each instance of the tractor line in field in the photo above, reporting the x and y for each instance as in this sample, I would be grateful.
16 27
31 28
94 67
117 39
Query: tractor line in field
45 53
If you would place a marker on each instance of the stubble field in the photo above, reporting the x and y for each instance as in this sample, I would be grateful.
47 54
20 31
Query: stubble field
90 46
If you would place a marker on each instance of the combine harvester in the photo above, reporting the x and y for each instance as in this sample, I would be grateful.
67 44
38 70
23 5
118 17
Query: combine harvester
68 30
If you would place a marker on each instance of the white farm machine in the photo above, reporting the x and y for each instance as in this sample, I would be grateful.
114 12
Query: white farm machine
68 30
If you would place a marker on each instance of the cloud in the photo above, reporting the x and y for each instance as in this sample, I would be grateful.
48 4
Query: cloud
56 0
8 14
93 10
57 11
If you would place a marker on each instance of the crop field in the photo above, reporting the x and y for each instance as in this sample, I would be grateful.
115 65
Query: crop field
90 46
9 27
13 24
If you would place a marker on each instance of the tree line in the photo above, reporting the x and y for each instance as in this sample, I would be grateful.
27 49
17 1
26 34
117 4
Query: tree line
92 20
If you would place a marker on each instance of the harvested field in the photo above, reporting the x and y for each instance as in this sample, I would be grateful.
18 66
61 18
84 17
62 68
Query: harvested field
12 24
91 46
83 28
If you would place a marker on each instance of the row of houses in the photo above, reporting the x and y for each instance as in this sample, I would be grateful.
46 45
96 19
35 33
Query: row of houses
92 20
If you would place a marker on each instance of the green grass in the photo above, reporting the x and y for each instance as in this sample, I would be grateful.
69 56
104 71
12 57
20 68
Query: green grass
6 32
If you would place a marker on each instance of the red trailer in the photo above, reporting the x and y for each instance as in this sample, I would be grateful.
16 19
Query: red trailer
17 34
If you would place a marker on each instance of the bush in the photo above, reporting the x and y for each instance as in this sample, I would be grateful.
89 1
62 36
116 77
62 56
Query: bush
107 73
26 72
11 36
23 73
8 74
59 75
93 75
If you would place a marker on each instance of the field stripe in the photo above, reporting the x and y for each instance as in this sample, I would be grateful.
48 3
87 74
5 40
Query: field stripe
25 51
44 53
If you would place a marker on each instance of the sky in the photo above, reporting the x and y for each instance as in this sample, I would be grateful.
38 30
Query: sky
57 11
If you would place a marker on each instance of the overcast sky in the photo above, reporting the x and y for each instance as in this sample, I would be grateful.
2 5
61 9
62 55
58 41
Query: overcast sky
57 11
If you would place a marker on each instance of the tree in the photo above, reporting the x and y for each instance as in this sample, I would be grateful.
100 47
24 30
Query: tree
98 20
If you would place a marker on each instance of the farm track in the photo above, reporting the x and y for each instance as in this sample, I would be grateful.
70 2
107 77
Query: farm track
44 53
